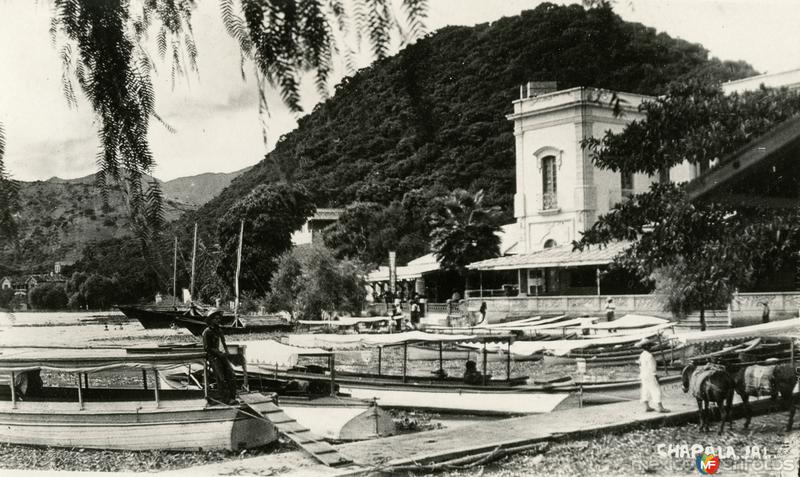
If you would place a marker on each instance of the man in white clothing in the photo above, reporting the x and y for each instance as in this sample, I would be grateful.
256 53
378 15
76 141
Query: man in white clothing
651 390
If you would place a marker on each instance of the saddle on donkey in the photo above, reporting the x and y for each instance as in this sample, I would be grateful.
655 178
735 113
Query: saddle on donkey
700 375
760 380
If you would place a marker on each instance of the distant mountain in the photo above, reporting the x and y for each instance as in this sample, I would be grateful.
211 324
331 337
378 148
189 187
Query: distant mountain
434 115
59 216
199 189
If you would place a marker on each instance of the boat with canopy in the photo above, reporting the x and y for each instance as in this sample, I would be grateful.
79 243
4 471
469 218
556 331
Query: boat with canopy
125 417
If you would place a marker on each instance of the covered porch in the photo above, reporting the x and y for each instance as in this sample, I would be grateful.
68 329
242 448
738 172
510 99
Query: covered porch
557 271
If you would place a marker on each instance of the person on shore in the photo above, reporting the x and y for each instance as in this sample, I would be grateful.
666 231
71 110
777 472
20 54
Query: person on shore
610 308
414 312
482 311
764 312
650 388
217 357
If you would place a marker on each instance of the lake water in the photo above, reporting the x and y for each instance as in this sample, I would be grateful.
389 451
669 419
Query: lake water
78 329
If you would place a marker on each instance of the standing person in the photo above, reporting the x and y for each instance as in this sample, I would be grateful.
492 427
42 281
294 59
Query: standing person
482 311
651 390
217 356
764 312
610 308
414 313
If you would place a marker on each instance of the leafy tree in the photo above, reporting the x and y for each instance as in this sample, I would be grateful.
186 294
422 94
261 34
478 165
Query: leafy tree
9 196
309 281
695 122
698 254
5 297
464 230
48 296
99 292
271 213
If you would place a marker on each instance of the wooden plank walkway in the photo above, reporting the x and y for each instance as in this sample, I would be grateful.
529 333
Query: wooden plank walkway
446 444
307 440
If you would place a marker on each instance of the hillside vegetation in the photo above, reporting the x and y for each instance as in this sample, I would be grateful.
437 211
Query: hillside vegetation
433 116
59 217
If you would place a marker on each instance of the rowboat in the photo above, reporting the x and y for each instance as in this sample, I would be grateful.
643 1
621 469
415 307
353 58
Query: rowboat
122 418
153 317
192 319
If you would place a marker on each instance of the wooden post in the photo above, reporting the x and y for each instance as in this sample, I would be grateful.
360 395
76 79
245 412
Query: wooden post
332 364
144 379
791 354
405 356
194 254
380 353
80 394
13 391
205 380
175 272
86 380
441 363
484 363
508 362
238 269
663 358
597 273
155 388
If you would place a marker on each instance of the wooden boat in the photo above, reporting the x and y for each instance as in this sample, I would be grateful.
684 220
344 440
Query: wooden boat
123 418
153 317
317 404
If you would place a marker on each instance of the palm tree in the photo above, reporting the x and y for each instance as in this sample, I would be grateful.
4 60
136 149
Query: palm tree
464 230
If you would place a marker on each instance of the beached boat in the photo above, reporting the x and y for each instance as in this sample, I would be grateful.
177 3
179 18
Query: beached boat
423 352
153 316
124 418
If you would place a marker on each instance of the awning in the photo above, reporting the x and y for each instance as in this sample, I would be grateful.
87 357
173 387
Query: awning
562 256
271 352
386 339
415 269
775 328
91 360
628 322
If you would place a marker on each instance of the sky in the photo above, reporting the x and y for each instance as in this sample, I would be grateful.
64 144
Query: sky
215 113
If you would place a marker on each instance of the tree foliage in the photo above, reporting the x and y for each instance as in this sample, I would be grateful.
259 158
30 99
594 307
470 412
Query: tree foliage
9 196
698 254
434 115
464 230
696 122
271 213
310 281
48 296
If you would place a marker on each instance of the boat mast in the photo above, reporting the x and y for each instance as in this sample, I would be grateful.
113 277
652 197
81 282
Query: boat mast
175 272
194 254
238 269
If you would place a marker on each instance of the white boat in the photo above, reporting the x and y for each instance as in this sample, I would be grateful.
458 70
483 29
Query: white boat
117 418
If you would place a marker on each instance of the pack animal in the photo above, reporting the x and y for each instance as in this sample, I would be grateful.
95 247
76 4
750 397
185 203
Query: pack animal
771 380
709 383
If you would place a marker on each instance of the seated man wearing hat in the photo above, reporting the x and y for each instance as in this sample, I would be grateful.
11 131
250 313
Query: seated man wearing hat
651 390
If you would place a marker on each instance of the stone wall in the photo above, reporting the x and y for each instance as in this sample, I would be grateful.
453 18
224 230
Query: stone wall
498 308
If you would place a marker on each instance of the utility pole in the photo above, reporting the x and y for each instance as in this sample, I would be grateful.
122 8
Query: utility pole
194 254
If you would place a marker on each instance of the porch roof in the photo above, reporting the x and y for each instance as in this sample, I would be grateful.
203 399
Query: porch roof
562 256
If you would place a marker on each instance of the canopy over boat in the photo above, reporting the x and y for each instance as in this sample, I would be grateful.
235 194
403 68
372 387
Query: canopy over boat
275 353
563 347
629 321
390 339
775 328
89 360
344 321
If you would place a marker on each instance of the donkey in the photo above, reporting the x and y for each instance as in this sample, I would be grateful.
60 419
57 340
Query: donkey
757 380
709 384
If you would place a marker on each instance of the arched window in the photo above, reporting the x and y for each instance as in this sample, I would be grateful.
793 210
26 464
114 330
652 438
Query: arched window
550 243
549 183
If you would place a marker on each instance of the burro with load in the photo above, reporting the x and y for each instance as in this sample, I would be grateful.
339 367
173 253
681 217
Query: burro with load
77 410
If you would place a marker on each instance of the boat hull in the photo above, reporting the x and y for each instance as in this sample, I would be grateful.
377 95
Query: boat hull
459 400
340 419
151 318
177 425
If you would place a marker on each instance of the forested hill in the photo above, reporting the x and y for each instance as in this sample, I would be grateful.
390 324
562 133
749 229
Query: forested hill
434 114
